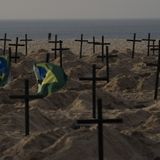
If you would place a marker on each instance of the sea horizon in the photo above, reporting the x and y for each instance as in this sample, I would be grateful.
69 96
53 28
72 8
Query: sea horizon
72 28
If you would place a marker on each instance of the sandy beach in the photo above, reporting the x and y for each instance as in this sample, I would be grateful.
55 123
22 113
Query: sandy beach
54 134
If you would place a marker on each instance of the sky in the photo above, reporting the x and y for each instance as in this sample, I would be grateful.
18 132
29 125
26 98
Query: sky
79 9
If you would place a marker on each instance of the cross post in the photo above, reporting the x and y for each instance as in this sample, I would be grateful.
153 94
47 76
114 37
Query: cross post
26 40
134 40
93 43
60 49
16 45
49 36
81 45
5 42
47 57
99 121
55 45
15 57
103 44
157 73
94 80
26 97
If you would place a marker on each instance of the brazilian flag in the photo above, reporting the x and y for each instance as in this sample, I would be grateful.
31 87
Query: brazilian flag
50 78
4 70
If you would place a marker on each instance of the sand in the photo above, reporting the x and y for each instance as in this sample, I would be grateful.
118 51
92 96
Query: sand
54 134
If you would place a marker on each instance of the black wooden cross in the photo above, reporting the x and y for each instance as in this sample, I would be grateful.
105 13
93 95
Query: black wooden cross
153 46
107 54
99 121
56 42
16 45
107 57
134 40
94 79
149 40
103 44
81 45
107 63
5 42
157 73
15 57
93 42
26 40
49 36
60 49
153 42
27 97
47 57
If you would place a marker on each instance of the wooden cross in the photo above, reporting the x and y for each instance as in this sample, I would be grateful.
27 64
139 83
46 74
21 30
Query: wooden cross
94 79
99 121
81 45
60 49
157 73
47 57
27 97
12 57
93 42
26 40
103 44
107 63
5 42
16 45
55 45
134 40
153 46
107 54
49 36
148 40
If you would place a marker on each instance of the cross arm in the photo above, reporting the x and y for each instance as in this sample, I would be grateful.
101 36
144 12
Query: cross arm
23 40
99 43
148 40
26 96
96 121
16 45
35 97
54 41
78 40
151 64
60 49
90 78
88 121
110 56
5 39
131 40
155 49
17 96
112 121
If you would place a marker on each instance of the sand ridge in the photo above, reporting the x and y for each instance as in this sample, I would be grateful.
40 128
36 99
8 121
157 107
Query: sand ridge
54 134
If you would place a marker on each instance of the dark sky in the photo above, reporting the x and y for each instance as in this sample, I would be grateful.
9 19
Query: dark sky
79 9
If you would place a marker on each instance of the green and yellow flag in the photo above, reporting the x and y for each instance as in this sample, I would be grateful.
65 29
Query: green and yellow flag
4 70
50 78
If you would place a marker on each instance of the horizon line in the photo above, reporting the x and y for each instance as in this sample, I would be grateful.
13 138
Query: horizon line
63 19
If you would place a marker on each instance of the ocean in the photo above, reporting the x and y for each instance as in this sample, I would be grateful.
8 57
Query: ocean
68 29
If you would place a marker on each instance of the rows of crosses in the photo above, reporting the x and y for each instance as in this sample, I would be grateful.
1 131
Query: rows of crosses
157 48
102 43
96 119
97 110
16 45
56 48
149 45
